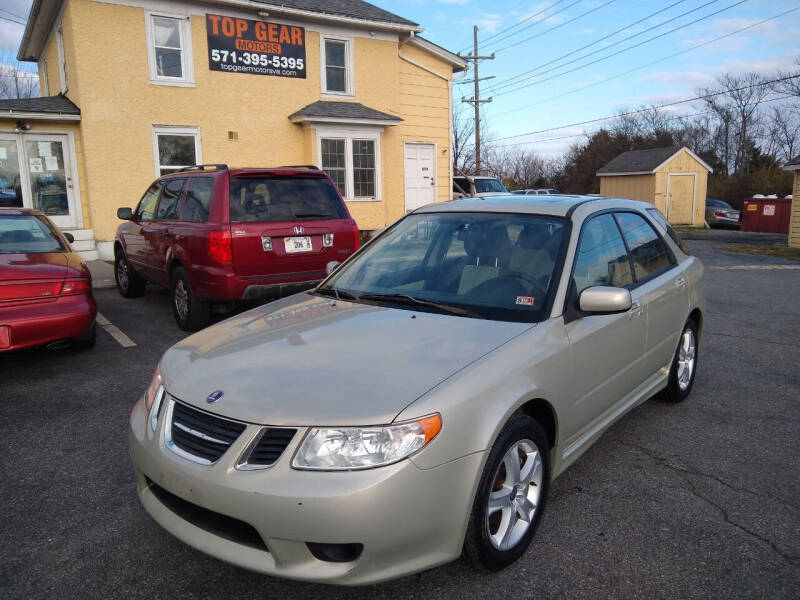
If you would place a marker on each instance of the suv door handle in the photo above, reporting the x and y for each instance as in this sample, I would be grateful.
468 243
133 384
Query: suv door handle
680 282
636 310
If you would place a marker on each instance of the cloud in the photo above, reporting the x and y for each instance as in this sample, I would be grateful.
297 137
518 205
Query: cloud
680 79
487 22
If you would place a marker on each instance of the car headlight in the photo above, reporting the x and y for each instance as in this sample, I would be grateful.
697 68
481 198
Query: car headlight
152 398
348 448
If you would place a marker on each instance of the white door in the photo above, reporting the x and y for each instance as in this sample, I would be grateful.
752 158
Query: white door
36 172
420 167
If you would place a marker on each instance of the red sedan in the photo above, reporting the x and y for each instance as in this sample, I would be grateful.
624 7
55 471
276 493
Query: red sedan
45 287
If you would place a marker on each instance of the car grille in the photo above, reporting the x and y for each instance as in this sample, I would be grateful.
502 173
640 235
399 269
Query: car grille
268 446
198 435
213 522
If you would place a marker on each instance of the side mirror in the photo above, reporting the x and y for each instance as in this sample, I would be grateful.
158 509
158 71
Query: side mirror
604 299
332 266
126 214
69 236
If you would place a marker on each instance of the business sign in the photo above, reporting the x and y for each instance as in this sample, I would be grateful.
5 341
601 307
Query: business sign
244 46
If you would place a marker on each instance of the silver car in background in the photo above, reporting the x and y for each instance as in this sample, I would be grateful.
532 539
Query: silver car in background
417 404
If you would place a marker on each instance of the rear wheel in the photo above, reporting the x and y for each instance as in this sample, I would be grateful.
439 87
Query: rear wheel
684 365
190 313
129 284
511 496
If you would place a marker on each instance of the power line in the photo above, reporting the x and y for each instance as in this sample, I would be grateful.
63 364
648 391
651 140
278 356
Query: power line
618 52
527 39
506 82
13 14
644 66
520 22
12 20
590 133
634 112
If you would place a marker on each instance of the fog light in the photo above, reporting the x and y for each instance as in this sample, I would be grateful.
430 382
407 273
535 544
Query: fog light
327 240
266 243
335 552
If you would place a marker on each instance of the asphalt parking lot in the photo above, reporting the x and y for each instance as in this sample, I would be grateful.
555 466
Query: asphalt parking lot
695 500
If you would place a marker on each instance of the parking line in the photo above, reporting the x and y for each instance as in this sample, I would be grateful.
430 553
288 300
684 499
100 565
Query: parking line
756 267
115 332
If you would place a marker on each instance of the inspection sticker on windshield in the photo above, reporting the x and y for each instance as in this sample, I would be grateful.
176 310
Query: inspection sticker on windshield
525 300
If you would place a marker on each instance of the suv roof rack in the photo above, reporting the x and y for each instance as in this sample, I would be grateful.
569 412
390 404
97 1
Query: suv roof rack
215 166
311 167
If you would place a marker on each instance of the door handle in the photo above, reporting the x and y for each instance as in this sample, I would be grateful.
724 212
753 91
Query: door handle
680 282
636 310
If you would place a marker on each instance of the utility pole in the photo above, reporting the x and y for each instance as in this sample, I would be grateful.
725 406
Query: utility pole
476 100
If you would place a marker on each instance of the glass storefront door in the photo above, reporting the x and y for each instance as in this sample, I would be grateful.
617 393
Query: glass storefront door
36 172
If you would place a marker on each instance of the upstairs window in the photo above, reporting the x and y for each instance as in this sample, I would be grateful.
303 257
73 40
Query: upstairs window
337 66
169 49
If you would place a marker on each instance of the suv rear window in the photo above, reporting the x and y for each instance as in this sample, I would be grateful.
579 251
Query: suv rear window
258 199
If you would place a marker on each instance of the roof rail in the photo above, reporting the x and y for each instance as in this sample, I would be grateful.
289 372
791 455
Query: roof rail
216 166
311 167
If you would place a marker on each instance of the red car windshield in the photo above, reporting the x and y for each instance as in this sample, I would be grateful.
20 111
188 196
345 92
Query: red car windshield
23 234
260 199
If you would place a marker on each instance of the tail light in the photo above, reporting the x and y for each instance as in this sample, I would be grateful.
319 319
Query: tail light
33 290
219 245
719 213
355 237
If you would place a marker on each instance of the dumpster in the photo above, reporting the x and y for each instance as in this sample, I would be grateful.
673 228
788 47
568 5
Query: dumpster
767 215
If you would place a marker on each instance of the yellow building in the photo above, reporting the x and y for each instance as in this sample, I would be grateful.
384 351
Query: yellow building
135 88
794 222
674 179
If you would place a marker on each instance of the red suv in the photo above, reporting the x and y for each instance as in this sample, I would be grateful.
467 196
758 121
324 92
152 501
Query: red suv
215 235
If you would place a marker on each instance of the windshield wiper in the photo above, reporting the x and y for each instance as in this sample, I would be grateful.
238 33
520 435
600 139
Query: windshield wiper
337 293
412 301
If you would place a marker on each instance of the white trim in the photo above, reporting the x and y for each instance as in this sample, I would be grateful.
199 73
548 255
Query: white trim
349 66
38 116
62 59
187 60
694 194
345 121
157 130
348 135
791 167
420 65
434 174
44 76
444 54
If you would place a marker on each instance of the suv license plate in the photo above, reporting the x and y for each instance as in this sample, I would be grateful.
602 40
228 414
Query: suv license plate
297 244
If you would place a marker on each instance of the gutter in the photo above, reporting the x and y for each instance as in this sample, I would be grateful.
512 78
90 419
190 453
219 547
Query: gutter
38 116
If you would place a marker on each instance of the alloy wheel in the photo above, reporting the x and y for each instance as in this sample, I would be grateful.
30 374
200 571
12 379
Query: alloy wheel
122 273
181 299
687 351
515 494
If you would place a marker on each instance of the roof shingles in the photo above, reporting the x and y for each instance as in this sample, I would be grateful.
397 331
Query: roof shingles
638 161
56 105
341 110
356 9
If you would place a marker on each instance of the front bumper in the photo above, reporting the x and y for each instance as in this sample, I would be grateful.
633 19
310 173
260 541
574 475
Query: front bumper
408 519
39 323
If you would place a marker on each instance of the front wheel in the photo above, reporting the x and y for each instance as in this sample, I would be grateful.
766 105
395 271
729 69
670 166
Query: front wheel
190 313
684 365
129 284
511 496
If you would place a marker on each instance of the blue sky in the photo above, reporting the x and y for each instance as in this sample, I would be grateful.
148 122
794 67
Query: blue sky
765 48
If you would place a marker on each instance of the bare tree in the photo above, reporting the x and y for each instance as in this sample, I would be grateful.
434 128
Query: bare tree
784 131
463 144
16 82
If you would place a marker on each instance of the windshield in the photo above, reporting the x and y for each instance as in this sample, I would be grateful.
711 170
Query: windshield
483 265
283 199
22 234
483 186
718 204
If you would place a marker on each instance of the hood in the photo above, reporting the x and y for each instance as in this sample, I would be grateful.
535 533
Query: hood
35 265
307 360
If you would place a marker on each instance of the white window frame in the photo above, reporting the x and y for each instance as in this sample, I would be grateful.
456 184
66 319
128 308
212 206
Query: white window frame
348 135
62 61
187 62
349 63
44 77
173 130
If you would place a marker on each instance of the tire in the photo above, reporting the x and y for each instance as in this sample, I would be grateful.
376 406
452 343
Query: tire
87 340
129 284
679 384
190 313
485 545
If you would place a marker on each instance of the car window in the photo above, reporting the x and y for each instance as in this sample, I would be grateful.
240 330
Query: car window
496 266
147 205
198 200
483 186
668 229
601 258
648 253
170 200
259 199
21 234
